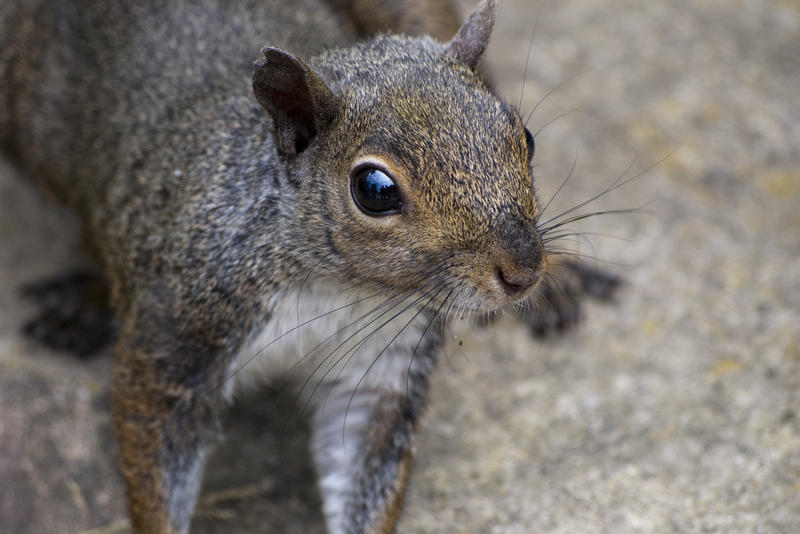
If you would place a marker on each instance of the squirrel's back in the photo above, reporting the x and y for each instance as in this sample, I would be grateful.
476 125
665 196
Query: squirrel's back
122 108
85 79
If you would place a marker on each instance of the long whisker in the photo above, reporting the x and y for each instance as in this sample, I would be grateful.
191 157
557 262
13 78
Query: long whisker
416 348
527 62
340 308
564 234
390 303
583 216
397 297
304 323
325 359
297 301
569 175
619 182
554 119
352 350
349 351
614 185
553 90
583 255
375 360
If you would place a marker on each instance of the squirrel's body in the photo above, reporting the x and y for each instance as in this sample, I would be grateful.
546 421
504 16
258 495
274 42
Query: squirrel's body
90 110
321 241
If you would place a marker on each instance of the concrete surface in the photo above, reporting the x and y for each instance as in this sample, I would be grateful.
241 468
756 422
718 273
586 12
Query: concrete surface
673 410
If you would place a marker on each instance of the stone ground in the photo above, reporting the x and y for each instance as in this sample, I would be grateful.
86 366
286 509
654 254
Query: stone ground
676 409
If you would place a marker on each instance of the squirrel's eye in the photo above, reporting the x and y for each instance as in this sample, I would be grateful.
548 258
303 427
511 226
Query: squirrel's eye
374 192
530 143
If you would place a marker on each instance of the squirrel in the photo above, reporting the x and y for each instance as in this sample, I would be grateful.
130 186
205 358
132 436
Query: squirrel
314 215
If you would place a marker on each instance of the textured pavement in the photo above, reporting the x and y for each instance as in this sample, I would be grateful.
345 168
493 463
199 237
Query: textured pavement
674 409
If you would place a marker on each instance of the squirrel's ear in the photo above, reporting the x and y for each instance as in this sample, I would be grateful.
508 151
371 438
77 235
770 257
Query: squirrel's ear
295 96
469 43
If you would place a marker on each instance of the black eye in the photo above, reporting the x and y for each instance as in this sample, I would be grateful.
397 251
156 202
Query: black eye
530 143
375 192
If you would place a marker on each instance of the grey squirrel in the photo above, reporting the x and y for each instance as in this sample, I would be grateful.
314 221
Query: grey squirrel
313 216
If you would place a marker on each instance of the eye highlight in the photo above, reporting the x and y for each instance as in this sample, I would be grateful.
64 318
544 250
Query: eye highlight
375 191
531 145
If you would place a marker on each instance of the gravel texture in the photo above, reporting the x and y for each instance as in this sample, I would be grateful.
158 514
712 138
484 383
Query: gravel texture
674 409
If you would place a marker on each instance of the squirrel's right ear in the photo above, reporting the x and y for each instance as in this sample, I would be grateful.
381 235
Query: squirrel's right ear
295 96
469 43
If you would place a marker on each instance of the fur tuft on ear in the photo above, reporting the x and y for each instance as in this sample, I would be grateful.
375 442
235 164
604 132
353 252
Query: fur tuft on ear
469 43
295 96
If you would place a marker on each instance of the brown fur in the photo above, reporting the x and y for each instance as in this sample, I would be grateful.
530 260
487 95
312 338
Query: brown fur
386 522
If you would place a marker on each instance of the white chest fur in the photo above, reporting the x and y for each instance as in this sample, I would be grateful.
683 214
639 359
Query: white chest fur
323 335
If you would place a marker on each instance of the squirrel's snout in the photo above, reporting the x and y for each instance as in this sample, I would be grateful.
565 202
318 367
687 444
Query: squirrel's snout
520 268
516 280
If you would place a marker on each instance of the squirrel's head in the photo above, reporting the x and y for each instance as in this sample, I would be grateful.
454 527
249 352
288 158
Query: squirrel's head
412 172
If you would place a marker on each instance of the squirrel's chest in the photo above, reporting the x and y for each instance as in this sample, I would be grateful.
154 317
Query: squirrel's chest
322 335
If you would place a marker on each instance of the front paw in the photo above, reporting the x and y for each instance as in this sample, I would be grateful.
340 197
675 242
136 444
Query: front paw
557 304
74 315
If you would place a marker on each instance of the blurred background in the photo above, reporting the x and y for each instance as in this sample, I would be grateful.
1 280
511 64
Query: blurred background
674 409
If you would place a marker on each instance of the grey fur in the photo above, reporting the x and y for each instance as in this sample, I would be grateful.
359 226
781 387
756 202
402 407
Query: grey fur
204 212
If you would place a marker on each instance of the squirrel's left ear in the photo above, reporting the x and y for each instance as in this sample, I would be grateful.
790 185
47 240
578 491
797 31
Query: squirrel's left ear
469 43
295 96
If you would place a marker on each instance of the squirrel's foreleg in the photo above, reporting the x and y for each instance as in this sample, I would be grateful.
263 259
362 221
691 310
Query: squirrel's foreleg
165 416
363 461
362 446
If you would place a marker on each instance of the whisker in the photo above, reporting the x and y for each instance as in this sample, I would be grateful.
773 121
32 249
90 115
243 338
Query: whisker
569 175
397 297
583 216
325 359
350 352
557 284
591 199
582 255
375 360
564 234
389 304
297 301
619 182
553 90
527 62
304 323
444 324
416 348
554 119
340 308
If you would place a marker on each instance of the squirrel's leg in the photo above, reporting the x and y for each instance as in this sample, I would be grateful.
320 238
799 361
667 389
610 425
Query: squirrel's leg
165 404
362 445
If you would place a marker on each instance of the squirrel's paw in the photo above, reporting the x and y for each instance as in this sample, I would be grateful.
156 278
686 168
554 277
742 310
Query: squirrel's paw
556 305
74 313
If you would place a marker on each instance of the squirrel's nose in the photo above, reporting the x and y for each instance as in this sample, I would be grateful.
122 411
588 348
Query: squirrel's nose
519 260
517 280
